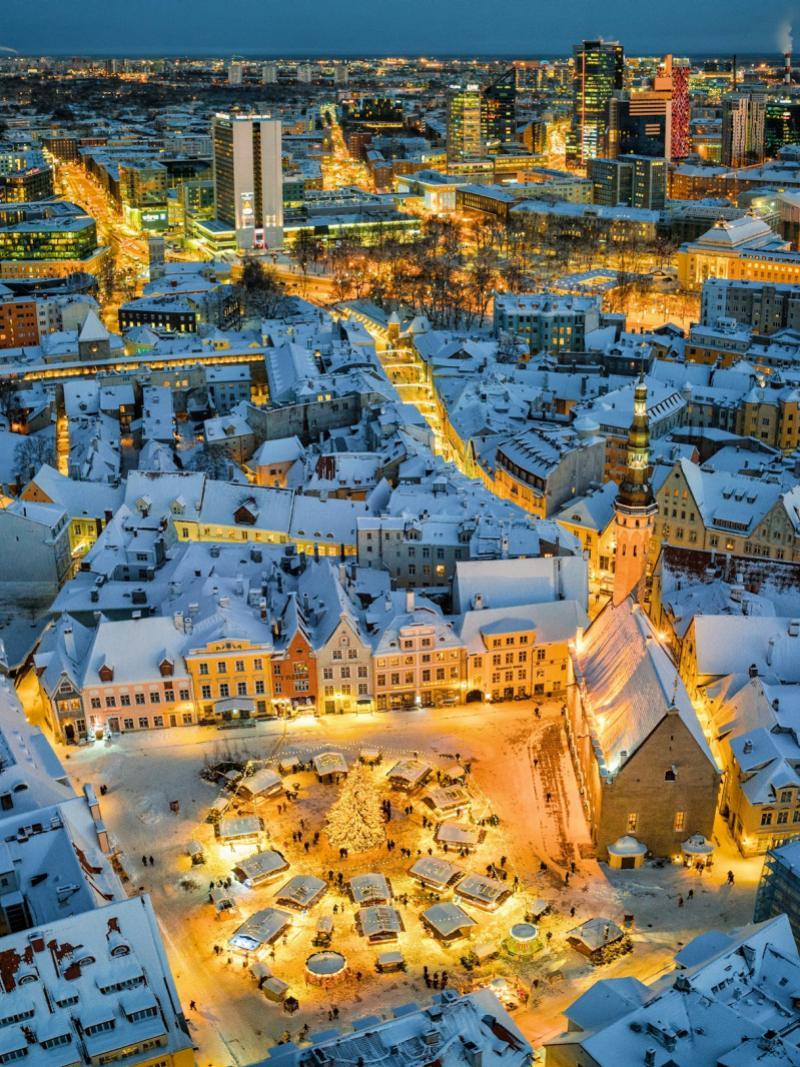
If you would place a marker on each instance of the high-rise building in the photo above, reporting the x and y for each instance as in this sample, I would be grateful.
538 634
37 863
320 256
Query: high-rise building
597 74
269 73
248 180
464 122
674 80
630 181
743 117
304 73
500 108
611 181
341 73
649 182
641 124
781 123
635 507
235 73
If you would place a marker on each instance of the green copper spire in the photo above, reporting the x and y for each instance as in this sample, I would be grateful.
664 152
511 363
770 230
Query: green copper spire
635 490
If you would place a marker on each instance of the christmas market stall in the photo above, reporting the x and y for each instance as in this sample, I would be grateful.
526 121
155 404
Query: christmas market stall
435 872
447 922
447 802
600 940
409 775
301 892
459 836
485 893
367 889
330 766
240 830
260 868
378 924
264 783
259 930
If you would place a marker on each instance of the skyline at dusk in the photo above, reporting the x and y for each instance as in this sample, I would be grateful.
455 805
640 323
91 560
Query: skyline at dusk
362 27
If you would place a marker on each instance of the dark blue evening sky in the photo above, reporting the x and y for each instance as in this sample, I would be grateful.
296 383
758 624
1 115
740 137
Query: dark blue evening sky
519 27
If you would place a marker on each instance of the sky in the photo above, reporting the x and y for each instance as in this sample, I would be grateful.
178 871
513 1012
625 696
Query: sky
342 27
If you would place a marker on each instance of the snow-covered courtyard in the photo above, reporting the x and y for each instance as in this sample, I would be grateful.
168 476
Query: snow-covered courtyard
519 772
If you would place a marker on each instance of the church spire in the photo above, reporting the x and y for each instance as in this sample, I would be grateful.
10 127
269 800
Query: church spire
635 490
635 507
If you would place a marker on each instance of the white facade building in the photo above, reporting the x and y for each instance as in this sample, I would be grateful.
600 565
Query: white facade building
248 178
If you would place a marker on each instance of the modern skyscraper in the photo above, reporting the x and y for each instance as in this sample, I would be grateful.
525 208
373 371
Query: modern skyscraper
464 122
500 108
304 73
649 182
269 73
675 81
630 181
635 507
248 180
235 73
743 116
611 180
781 123
341 73
640 123
597 74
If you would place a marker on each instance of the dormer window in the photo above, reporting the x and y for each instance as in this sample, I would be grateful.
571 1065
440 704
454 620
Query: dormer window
106 673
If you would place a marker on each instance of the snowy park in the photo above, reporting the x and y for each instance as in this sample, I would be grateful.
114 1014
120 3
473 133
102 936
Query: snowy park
330 868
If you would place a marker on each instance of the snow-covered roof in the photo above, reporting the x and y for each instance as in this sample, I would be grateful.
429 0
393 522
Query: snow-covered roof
629 684
731 644
732 1001
451 1029
505 583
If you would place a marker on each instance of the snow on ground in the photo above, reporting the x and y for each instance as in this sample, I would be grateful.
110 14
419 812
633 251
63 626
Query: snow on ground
518 762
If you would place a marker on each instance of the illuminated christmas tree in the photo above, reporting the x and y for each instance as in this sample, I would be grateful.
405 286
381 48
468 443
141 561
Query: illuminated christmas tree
355 819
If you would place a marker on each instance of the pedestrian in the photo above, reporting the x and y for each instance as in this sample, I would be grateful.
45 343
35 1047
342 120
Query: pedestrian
572 911
547 797
680 902
502 861
566 877
307 845
572 866
144 863
730 877
152 862
192 1006
335 1013
549 935
690 895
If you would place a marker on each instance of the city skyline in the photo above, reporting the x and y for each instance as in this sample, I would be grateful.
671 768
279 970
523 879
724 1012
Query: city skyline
447 28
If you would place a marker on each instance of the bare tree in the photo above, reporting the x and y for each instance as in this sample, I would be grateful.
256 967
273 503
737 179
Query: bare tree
31 453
